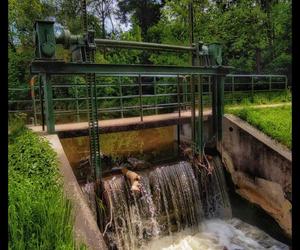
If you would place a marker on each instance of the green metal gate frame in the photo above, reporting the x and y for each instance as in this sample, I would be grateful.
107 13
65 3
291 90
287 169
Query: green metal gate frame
83 47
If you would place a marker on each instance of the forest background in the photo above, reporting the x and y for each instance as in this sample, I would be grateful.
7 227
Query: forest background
255 34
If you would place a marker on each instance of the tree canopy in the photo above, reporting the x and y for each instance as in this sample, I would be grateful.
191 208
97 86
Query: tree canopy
255 34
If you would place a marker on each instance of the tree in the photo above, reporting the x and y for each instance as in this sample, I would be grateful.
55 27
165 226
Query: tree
145 13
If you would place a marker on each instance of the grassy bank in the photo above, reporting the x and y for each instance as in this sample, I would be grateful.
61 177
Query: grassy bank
276 122
272 97
39 215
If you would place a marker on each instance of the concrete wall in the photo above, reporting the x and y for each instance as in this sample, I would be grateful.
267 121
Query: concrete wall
260 168
85 228
256 154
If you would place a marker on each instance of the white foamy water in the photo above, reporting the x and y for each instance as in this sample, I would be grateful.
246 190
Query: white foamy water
217 234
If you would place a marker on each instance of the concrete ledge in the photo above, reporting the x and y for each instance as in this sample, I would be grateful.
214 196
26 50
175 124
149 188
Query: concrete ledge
260 136
85 228
70 130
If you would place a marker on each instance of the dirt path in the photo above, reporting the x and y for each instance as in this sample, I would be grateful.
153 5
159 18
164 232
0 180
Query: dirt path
262 105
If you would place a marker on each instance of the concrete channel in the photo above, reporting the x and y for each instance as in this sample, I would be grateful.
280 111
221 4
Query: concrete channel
260 169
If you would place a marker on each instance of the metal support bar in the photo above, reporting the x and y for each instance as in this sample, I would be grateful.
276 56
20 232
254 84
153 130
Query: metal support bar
140 97
155 93
179 115
41 92
57 68
33 103
232 81
193 112
199 120
121 97
252 88
141 45
77 104
214 106
48 103
220 106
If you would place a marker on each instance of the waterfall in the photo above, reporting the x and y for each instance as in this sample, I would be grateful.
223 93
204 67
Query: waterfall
173 197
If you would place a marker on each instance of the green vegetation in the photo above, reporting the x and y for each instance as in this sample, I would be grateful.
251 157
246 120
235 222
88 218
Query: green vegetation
245 99
276 122
39 215
256 35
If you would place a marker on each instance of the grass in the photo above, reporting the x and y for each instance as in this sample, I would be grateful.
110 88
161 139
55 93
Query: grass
276 122
258 98
39 215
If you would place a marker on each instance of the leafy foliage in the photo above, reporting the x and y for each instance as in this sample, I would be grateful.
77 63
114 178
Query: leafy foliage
255 34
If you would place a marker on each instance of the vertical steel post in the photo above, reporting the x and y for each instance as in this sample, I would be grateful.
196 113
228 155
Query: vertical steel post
185 92
232 82
209 85
252 89
179 114
121 97
286 83
220 106
140 97
192 80
41 94
193 112
33 102
270 83
214 105
77 104
155 93
199 120
48 103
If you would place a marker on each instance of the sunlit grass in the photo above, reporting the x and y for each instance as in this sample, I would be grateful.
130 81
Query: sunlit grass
276 122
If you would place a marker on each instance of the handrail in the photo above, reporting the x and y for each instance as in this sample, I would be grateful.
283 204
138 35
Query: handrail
156 105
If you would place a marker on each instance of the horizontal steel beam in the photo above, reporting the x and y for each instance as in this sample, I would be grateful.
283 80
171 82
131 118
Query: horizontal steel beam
142 45
62 68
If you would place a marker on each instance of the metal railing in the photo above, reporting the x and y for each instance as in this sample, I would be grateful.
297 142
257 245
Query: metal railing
153 95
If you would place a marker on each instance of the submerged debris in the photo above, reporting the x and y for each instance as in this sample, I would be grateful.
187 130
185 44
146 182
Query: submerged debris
134 180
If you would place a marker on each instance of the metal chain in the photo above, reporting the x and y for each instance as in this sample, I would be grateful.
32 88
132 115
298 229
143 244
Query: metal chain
92 105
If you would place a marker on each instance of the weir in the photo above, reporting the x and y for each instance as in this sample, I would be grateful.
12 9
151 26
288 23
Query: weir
187 194
173 197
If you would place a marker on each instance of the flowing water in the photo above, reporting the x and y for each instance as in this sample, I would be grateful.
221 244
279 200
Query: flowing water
216 234
179 207
172 199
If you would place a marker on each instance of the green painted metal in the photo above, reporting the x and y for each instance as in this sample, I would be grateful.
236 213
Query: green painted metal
121 97
50 123
26 105
220 105
44 40
199 120
141 45
62 68
214 106
215 50
140 97
88 56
